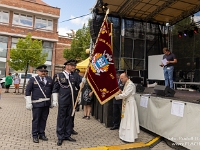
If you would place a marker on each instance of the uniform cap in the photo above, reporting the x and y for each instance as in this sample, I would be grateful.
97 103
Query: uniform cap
71 62
42 67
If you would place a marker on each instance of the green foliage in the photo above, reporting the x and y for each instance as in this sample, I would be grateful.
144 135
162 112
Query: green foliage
28 52
80 43
184 24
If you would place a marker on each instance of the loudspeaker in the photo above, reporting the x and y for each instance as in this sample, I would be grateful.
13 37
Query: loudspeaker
197 62
93 33
139 88
171 92
196 76
161 90
95 25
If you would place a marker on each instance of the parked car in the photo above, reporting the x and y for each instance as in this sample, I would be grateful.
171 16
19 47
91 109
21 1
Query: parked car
21 76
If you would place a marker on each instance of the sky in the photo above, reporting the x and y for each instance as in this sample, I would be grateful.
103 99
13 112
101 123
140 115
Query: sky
197 17
70 9
74 8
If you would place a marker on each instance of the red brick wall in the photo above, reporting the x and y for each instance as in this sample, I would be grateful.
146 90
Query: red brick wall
25 31
32 6
63 43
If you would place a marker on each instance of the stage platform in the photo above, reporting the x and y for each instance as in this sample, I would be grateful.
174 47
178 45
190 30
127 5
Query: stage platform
174 118
180 95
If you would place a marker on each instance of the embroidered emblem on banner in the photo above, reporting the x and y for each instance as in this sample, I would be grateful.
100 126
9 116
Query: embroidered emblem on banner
104 91
100 62
104 30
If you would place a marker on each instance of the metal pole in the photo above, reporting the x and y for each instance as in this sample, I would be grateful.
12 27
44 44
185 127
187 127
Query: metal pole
121 41
145 45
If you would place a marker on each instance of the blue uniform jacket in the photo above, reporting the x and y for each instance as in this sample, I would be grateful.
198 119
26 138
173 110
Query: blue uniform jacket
78 80
33 90
61 86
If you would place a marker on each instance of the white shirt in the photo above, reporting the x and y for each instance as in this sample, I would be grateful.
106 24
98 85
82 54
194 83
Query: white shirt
16 80
45 80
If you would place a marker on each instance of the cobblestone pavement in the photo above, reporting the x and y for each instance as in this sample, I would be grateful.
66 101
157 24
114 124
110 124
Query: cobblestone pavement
15 129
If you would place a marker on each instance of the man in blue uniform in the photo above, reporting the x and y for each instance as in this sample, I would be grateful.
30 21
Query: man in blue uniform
38 93
64 93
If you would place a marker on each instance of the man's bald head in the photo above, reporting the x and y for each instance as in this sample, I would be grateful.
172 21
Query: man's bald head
123 78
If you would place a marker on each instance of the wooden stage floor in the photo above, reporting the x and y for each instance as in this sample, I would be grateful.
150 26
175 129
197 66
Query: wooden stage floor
181 95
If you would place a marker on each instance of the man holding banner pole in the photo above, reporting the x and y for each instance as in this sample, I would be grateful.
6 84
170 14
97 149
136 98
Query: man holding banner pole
63 96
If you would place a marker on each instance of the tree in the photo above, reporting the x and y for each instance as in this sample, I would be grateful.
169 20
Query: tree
79 44
184 24
27 53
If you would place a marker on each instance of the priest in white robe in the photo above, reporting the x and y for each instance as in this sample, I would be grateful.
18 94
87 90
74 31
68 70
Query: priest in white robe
129 126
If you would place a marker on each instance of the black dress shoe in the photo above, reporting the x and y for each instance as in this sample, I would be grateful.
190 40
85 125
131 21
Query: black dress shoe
59 142
43 137
74 132
114 128
35 140
70 139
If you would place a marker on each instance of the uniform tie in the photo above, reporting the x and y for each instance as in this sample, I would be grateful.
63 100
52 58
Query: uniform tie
43 80
69 75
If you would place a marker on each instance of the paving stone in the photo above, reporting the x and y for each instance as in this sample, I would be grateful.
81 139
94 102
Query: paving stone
16 121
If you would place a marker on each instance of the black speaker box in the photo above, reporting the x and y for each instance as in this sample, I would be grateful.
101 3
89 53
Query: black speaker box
171 92
95 25
139 88
196 76
161 90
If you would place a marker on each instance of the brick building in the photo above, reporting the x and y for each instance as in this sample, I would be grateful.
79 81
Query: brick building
20 17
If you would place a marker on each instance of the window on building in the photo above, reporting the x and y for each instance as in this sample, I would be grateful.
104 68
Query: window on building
14 42
2 69
22 19
48 48
3 46
49 70
4 16
43 24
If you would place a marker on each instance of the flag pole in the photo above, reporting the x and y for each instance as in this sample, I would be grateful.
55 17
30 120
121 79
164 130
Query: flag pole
86 71
111 32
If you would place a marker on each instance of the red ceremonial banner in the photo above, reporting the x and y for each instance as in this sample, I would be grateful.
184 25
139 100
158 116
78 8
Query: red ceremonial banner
101 73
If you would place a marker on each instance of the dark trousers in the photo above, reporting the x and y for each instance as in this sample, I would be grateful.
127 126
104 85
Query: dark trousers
117 109
40 115
64 122
73 121
77 108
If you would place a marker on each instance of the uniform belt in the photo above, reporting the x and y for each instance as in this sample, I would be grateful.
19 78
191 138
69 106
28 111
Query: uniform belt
40 100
